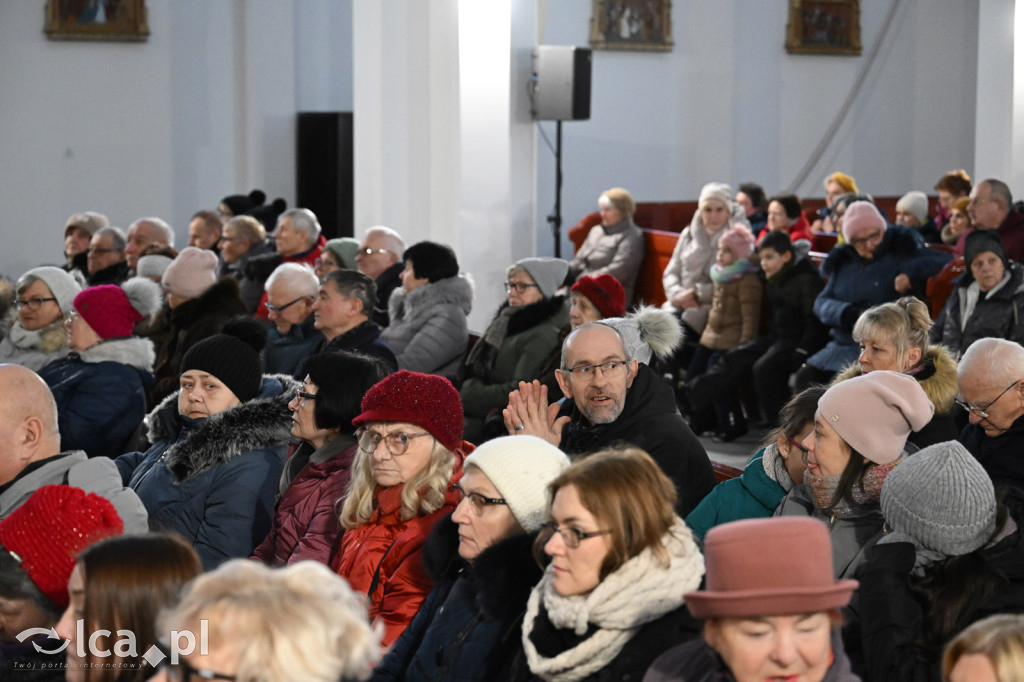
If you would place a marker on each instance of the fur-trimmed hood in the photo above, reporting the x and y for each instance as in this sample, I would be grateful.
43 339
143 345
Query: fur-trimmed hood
264 421
501 576
937 377
132 351
448 291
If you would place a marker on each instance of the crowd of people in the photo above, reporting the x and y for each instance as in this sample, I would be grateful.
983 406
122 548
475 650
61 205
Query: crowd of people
274 456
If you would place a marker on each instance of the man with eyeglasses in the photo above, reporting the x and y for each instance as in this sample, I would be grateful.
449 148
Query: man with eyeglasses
991 381
378 258
291 290
991 208
106 260
612 398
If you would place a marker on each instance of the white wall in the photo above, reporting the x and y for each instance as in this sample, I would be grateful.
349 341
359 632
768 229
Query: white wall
728 103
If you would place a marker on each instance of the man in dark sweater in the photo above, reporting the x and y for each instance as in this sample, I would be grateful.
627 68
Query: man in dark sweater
613 399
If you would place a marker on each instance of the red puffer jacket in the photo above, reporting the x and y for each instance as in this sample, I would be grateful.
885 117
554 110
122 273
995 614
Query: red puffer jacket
394 545
306 523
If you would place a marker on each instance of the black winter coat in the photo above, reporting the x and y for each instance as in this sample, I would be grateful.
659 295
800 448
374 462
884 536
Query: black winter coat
792 293
893 616
363 339
1000 314
469 627
999 455
650 421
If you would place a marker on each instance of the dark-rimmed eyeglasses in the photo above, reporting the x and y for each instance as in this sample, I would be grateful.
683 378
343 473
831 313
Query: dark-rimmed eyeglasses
477 502
32 303
588 371
396 443
302 397
96 249
281 308
519 287
572 537
982 412
182 671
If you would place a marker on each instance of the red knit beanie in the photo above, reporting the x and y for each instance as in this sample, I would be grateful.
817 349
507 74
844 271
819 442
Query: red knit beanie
46 533
426 400
605 292
107 311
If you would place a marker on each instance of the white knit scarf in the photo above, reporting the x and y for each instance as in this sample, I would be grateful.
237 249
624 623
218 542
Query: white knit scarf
640 591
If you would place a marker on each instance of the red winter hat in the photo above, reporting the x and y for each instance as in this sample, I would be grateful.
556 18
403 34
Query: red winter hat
112 311
46 533
426 400
605 292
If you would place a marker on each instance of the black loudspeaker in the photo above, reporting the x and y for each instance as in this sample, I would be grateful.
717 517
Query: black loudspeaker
561 83
324 170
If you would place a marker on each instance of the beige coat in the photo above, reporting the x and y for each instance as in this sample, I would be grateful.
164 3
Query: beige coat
735 313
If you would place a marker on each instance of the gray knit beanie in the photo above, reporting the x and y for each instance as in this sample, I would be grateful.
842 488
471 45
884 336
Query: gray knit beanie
648 332
943 498
61 284
547 273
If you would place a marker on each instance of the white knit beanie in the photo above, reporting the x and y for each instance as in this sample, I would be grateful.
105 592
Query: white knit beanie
521 467
61 284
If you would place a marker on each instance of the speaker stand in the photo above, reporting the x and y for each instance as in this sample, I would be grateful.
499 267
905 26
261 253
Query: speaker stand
555 219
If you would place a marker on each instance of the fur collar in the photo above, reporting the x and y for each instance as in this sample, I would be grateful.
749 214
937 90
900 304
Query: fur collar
217 298
132 351
938 378
448 291
49 339
263 422
501 577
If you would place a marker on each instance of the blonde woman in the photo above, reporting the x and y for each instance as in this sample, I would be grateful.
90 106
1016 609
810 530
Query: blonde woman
402 484
991 650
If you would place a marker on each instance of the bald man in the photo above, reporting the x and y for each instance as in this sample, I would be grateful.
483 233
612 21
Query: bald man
30 455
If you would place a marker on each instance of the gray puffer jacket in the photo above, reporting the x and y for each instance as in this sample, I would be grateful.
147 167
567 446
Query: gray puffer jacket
428 331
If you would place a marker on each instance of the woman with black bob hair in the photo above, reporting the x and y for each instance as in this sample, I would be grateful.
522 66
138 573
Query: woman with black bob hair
954 555
318 470
428 331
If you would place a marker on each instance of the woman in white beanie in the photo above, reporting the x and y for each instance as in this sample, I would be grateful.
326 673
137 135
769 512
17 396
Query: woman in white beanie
860 434
483 569
954 554
37 336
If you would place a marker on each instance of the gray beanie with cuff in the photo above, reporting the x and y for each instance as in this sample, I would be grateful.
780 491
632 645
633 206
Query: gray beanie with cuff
547 273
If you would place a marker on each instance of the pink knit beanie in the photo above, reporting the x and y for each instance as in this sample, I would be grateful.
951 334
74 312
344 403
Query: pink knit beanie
739 240
191 273
874 413
861 217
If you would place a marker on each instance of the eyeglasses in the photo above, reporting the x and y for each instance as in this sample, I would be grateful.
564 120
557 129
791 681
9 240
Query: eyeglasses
326 263
280 308
70 318
589 371
982 411
572 537
867 238
477 502
302 397
370 252
799 446
182 671
396 443
32 303
519 287
98 250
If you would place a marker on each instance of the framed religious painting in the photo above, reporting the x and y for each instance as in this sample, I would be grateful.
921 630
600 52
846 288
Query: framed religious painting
823 27
631 25
96 20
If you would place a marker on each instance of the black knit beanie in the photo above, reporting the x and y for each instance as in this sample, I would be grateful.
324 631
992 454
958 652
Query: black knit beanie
233 357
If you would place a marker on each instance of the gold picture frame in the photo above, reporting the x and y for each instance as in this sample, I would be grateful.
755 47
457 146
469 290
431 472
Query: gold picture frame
631 25
117 20
823 27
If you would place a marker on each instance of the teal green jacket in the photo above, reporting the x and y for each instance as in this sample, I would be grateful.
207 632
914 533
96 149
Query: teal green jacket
750 496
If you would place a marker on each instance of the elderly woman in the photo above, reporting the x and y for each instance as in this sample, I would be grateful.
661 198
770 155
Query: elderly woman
611 599
912 212
337 254
317 474
687 277
242 238
106 595
410 456
37 335
428 331
516 343
616 246
765 620
987 300
859 437
296 623
877 264
219 445
786 215
991 650
100 389
953 555
482 565
768 476
894 337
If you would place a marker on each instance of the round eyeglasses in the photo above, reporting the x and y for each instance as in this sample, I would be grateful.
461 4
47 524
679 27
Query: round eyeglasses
396 442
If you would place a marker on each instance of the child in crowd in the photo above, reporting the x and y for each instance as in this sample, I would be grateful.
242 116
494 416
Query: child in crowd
733 321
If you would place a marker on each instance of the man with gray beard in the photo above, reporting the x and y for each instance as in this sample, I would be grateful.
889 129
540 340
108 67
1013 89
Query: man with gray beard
612 398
